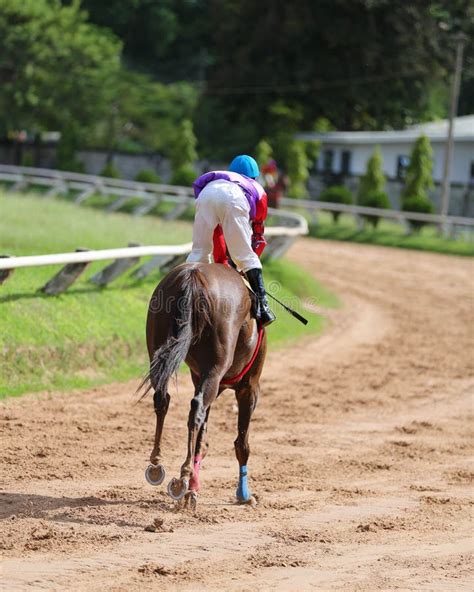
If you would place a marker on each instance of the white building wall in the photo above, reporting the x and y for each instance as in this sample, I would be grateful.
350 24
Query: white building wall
463 156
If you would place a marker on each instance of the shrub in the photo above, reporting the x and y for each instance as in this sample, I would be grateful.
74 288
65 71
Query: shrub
297 166
148 176
337 194
27 159
418 181
184 175
420 204
263 152
373 181
110 170
374 199
419 173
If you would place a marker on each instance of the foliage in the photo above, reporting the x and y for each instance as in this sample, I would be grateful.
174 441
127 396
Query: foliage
183 155
374 199
183 151
371 187
419 204
66 153
419 173
389 234
338 194
144 113
263 152
148 176
418 180
373 181
110 170
385 65
184 175
54 67
379 65
312 148
297 167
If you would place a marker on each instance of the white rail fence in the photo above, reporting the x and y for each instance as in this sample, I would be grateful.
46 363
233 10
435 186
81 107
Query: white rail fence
447 223
286 226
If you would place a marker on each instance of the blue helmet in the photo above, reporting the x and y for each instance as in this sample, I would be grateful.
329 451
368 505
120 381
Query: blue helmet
245 165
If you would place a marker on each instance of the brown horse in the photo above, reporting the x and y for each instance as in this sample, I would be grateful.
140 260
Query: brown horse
202 314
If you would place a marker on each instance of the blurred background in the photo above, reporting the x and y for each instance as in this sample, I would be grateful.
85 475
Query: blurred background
165 89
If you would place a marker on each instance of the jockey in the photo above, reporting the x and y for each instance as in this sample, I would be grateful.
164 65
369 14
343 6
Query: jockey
226 203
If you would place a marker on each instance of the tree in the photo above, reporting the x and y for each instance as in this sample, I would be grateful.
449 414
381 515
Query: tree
374 178
183 155
371 187
263 152
419 173
54 67
418 180
144 115
297 167
338 194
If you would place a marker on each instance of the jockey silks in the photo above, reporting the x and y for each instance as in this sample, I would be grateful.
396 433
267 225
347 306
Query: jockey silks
253 191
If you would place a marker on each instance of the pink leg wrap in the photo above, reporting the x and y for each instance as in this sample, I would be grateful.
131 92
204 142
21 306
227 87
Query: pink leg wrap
194 484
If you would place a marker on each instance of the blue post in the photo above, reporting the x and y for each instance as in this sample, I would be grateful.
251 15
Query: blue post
243 494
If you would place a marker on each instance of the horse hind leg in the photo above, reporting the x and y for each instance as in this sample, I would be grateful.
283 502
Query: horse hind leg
204 396
155 472
247 397
199 454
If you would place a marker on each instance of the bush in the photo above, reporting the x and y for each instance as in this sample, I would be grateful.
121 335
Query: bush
110 170
297 166
337 194
148 176
373 181
184 175
419 204
374 199
263 152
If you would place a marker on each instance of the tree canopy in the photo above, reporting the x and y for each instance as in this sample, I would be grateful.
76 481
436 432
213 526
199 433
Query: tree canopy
54 66
241 70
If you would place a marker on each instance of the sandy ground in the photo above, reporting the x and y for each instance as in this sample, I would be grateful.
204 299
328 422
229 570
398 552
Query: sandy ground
361 457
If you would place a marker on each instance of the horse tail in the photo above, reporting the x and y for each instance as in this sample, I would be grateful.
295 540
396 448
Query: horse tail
192 313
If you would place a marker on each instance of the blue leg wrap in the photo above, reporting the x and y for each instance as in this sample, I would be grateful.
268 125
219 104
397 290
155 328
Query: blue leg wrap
243 494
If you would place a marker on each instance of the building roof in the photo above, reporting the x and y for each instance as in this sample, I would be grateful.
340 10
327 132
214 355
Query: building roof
435 130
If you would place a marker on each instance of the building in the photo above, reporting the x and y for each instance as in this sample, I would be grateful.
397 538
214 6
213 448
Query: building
346 153
343 159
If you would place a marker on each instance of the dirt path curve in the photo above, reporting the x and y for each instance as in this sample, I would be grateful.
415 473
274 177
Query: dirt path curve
360 458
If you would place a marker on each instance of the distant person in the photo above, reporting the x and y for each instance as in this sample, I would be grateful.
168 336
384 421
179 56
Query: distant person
275 183
231 208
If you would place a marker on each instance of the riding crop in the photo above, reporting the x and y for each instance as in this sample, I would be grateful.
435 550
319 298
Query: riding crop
292 312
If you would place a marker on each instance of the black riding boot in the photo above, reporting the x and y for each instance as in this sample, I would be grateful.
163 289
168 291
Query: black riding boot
264 314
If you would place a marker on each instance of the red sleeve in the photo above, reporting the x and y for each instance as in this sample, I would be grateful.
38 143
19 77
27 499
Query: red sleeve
220 248
261 210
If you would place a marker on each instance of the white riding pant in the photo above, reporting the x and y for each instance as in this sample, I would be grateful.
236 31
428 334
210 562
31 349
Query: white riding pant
224 203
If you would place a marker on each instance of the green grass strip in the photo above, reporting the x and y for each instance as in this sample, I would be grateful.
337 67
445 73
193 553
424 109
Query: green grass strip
88 335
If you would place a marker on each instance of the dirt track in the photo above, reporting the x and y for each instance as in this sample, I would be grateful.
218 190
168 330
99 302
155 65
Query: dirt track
360 457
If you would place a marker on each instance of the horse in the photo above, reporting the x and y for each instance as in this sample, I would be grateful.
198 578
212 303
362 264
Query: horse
204 315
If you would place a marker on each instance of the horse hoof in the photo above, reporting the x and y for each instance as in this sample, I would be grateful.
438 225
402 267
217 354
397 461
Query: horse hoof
191 500
248 501
177 488
155 474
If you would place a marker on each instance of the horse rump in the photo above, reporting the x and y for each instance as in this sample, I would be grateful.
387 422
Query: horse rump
191 311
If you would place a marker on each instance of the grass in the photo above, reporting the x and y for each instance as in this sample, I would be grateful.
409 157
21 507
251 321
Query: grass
90 335
389 234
